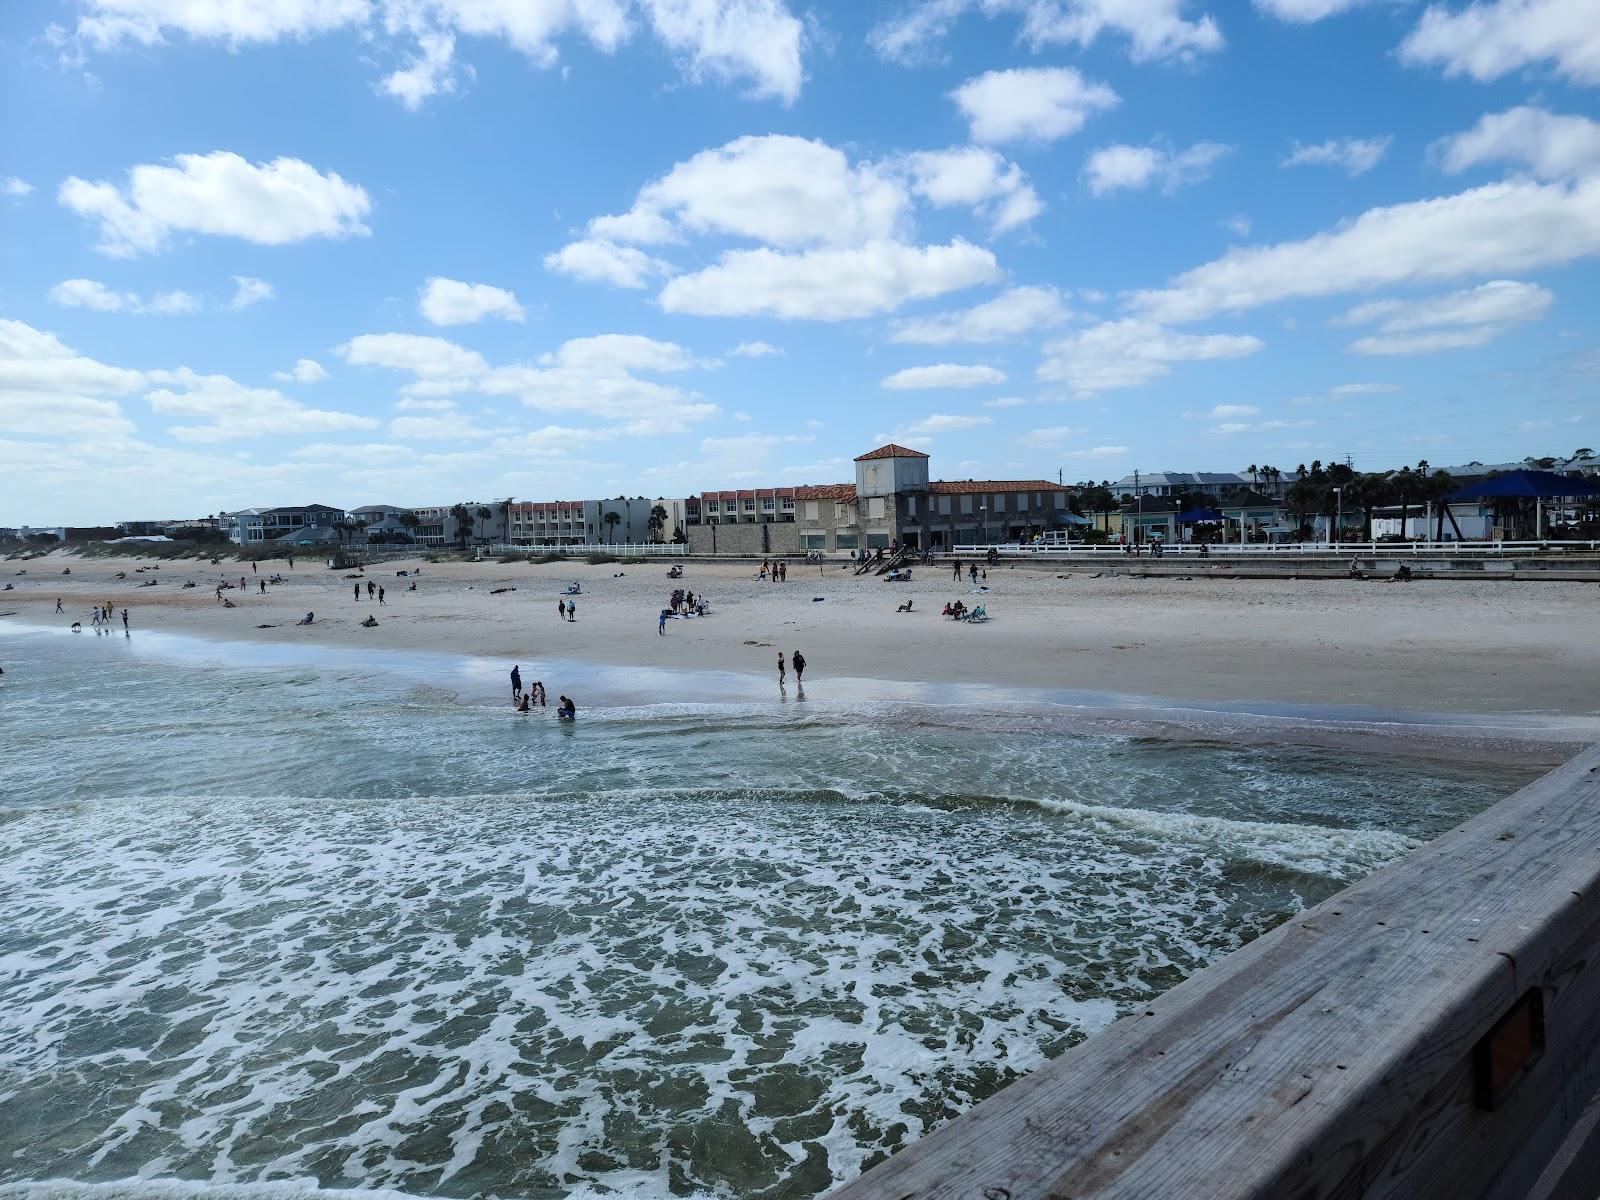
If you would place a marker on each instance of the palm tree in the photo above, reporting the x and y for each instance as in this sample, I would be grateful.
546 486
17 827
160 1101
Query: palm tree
505 517
462 516
611 519
411 521
1255 475
658 522
483 513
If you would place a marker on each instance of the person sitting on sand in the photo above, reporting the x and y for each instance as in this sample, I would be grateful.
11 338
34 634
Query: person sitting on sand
226 603
370 623
947 610
906 607
567 710
308 619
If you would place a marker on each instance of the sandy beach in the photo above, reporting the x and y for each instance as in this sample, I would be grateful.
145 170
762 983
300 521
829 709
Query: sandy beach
1456 646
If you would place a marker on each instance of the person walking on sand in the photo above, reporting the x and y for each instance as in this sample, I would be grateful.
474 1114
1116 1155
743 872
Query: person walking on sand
957 574
661 623
516 683
799 661
380 595
358 593
124 620
371 587
58 604
780 668
572 611
253 568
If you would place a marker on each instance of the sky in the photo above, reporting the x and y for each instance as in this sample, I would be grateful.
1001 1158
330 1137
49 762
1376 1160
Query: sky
259 252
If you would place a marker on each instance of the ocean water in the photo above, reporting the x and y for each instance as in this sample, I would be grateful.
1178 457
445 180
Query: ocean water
268 926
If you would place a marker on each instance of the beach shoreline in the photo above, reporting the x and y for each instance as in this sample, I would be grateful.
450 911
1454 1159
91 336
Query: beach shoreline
1370 651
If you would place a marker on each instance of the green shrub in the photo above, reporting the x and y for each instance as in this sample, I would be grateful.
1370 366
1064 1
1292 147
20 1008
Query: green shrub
596 560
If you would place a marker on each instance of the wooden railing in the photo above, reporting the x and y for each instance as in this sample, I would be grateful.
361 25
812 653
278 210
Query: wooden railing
1432 1032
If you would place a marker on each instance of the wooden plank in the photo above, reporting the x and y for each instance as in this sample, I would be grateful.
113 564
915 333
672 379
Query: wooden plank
1331 1057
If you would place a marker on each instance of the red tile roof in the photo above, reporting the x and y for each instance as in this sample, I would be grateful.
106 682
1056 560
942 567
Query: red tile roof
890 451
841 492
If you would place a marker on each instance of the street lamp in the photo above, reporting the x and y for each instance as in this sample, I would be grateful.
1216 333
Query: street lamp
1338 501
983 516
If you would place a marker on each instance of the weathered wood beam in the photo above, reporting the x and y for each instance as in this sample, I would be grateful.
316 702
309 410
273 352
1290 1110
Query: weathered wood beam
1335 1056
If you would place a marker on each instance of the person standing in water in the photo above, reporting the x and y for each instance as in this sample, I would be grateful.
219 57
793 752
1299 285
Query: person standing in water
516 683
799 661
780 668
124 620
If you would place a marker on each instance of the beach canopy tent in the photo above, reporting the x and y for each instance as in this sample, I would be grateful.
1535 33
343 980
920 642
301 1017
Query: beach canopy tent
1073 519
1526 485
1195 515
1521 485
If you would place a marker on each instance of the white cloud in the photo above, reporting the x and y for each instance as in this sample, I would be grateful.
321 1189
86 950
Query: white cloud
1037 104
758 42
1550 146
273 203
441 366
1099 452
754 350
429 73
89 293
174 304
593 376
145 22
1364 389
1492 38
46 389
600 261
1005 402
452 302
1499 228
1232 410
776 189
1052 435
1472 317
305 370
828 284
1136 167
978 178
938 423
1012 314
1155 29
232 410
1238 225
755 40
1119 354
1356 156
248 291
943 375
10 185
1306 11
447 427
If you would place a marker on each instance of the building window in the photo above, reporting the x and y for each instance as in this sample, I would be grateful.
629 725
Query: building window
966 506
813 541
811 510
875 508
845 541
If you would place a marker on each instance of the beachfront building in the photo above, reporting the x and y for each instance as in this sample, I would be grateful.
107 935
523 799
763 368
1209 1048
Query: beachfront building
622 521
891 502
1179 483
440 525
257 526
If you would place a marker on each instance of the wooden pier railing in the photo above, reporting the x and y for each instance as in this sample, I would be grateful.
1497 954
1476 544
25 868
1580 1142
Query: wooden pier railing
1432 1032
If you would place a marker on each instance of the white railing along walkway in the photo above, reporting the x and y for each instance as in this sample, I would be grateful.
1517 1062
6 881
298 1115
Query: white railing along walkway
1282 549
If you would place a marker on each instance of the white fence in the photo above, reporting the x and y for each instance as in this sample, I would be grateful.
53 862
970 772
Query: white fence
1283 549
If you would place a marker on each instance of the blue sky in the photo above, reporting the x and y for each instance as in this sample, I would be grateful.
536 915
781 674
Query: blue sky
410 251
